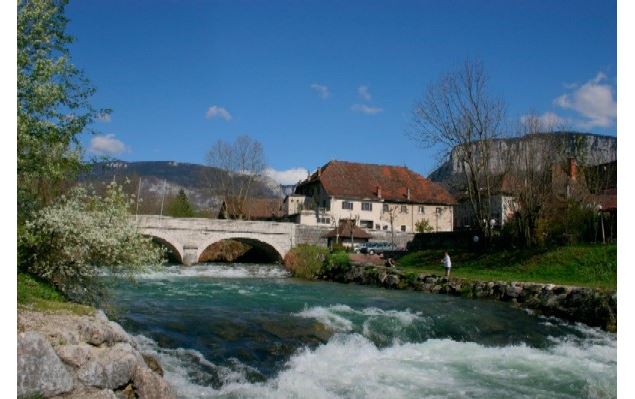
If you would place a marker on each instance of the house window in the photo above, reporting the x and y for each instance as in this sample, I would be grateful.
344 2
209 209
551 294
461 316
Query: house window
385 227
367 224
386 209
347 205
324 220
404 209
377 227
367 206
422 209
403 227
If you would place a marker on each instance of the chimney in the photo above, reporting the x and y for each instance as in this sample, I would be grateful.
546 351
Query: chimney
378 191
318 171
573 169
408 194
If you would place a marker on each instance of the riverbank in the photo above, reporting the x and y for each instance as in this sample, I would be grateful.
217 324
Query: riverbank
592 306
67 350
65 355
580 265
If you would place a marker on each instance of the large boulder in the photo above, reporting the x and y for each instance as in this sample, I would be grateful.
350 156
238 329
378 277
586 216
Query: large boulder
149 385
40 371
99 332
110 368
87 393
152 362
75 355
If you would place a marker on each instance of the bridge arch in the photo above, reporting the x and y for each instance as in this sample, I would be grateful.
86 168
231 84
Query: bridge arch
173 246
262 248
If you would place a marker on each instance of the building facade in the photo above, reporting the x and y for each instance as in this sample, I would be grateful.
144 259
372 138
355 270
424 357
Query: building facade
376 197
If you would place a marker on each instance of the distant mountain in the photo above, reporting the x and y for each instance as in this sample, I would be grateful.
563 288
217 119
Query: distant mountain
589 150
161 180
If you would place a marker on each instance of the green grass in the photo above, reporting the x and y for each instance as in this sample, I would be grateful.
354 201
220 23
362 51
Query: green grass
585 265
38 295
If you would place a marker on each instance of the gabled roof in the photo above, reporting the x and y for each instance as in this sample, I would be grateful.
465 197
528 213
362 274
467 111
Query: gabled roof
607 199
344 230
370 181
252 208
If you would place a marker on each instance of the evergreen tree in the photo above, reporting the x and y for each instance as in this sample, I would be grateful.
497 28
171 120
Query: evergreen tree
180 206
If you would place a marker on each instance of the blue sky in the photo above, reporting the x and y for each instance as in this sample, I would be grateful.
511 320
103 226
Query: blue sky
315 81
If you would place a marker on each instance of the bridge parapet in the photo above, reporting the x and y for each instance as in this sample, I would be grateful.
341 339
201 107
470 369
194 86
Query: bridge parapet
191 236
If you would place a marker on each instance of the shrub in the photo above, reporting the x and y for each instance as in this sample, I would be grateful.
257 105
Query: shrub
337 262
306 260
66 243
423 226
339 247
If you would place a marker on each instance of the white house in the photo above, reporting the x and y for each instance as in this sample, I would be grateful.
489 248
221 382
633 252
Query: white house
377 197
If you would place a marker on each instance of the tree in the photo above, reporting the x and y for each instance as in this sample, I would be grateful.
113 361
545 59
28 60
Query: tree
53 107
458 114
68 242
180 206
529 178
390 213
242 162
423 226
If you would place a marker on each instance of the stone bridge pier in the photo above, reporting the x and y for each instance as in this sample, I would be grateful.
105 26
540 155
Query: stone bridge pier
187 238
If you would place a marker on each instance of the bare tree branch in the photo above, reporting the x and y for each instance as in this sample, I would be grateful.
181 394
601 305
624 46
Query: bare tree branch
458 113
243 162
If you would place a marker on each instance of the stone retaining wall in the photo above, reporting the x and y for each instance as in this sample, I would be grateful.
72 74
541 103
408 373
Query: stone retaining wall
594 307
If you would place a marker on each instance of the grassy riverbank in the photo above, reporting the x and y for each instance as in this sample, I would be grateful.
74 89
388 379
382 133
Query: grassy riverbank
35 294
581 265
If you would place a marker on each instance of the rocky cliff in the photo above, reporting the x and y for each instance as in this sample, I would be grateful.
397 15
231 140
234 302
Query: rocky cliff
200 183
588 149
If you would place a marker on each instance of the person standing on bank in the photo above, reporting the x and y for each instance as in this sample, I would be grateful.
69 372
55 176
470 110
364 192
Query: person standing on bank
447 262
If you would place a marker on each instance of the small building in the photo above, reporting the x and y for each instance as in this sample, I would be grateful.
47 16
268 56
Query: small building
346 233
377 197
251 209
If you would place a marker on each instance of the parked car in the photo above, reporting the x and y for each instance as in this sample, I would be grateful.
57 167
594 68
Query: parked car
357 247
377 247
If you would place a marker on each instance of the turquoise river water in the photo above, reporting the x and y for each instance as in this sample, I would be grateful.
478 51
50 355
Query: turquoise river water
250 331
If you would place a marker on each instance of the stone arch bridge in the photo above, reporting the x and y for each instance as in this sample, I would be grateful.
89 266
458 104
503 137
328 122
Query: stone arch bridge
189 237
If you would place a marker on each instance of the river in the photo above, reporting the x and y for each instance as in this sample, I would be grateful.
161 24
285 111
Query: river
251 331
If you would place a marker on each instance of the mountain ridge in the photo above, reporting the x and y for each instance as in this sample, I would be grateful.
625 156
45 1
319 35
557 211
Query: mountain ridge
158 181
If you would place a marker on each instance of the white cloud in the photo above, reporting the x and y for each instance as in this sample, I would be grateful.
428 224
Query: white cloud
322 90
104 117
548 121
106 145
594 101
289 176
364 93
218 112
366 109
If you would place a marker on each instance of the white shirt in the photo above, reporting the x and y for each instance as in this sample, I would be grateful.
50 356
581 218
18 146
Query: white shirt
447 261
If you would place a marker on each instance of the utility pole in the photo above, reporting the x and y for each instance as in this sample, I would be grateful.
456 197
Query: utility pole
163 196
138 194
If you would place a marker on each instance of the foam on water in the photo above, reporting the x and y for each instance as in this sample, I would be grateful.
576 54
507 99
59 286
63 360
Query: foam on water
377 324
221 271
351 366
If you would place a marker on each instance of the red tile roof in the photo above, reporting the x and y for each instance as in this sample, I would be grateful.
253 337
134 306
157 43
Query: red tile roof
361 181
607 199
253 208
344 230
